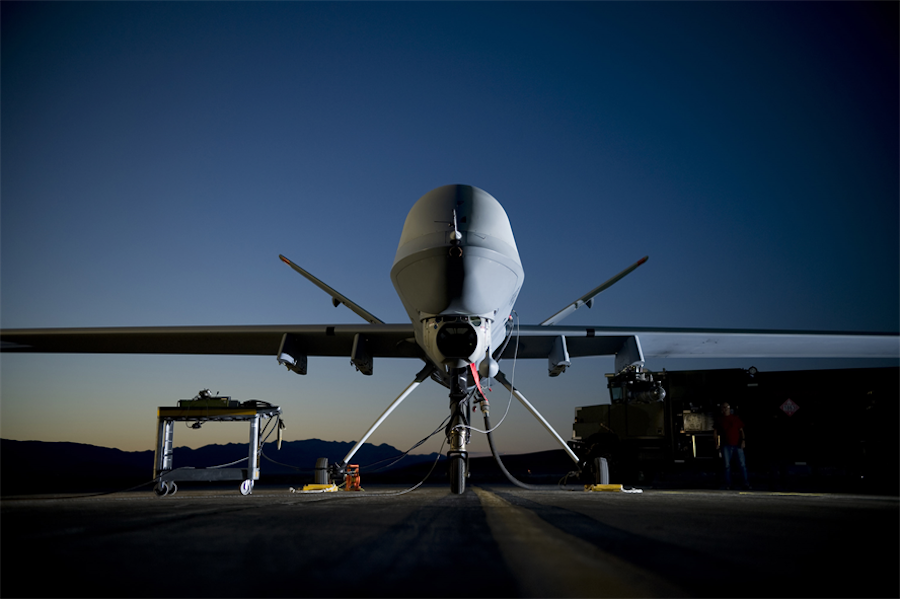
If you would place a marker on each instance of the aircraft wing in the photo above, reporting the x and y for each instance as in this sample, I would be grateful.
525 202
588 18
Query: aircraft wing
631 345
362 343
380 340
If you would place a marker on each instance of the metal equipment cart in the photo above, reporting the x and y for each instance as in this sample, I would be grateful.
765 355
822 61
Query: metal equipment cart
231 411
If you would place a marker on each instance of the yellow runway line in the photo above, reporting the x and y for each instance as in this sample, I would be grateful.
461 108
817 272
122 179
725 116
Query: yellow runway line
552 563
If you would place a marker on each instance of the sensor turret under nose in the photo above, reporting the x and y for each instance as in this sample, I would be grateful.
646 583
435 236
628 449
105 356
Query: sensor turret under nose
456 341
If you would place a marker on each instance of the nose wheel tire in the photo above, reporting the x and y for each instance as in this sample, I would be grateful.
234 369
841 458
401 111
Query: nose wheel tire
246 487
166 488
457 474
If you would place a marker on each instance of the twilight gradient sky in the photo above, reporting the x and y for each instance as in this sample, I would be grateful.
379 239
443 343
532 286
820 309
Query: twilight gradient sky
157 157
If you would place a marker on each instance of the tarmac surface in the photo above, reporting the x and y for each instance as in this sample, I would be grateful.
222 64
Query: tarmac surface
493 541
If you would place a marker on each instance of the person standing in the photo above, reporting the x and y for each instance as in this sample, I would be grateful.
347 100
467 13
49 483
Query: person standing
731 440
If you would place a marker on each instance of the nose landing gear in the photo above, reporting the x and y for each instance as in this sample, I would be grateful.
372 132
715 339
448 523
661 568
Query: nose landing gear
457 431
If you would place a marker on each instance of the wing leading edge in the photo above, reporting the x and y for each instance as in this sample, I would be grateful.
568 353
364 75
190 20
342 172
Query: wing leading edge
632 345
382 340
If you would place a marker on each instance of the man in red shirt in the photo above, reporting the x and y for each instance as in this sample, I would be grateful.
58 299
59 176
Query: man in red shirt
730 439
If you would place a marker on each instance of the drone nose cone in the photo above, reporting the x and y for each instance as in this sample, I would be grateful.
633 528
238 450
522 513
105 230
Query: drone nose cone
457 254
467 280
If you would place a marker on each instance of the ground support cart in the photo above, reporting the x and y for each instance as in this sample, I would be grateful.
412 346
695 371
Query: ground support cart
163 467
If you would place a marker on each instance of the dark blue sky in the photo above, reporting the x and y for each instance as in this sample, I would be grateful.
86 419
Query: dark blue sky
157 157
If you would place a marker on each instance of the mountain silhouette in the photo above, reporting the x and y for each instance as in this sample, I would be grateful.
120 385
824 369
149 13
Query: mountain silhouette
41 466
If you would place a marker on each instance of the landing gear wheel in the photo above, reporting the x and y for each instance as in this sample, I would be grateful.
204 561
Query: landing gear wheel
173 488
162 489
247 487
457 474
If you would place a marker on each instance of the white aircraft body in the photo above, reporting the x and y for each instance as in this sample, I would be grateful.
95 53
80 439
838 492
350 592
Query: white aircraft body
458 274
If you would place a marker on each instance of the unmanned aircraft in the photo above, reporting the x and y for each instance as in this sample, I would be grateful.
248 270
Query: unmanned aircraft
457 272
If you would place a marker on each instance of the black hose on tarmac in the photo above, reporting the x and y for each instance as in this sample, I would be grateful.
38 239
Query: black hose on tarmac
512 479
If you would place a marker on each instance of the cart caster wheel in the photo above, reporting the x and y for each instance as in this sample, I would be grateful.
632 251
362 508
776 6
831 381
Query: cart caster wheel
246 487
